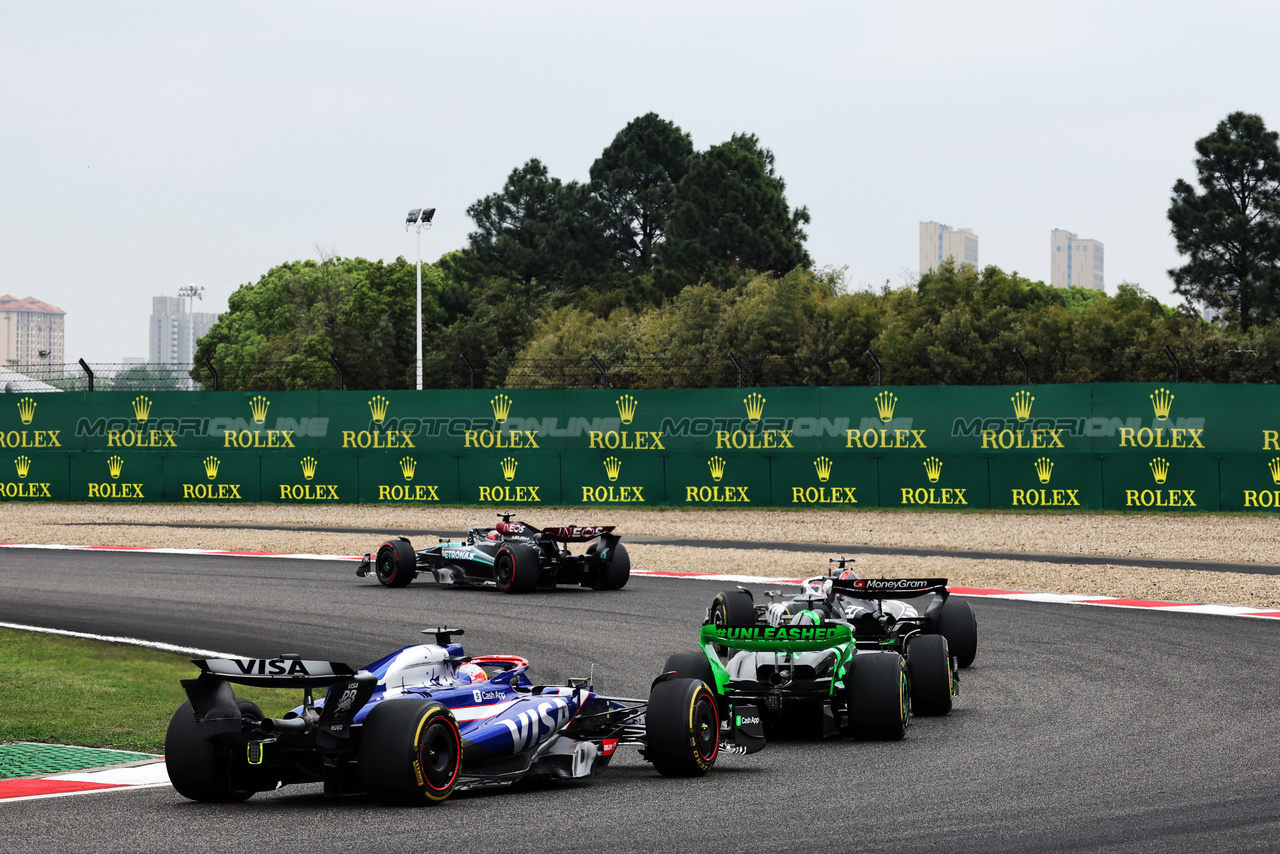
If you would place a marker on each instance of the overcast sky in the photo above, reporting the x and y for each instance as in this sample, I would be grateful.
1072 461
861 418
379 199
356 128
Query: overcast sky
147 146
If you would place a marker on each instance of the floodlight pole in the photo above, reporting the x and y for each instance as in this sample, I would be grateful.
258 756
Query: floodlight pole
419 218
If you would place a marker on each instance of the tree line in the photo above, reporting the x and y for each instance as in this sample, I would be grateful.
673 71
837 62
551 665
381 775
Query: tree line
676 267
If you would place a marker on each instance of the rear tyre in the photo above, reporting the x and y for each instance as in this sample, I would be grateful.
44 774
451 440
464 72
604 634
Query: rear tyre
616 570
515 568
397 563
682 728
199 769
876 695
410 752
957 622
929 666
732 608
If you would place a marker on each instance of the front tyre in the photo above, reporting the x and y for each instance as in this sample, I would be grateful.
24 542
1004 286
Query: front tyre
410 752
960 626
515 568
876 695
199 769
397 563
682 728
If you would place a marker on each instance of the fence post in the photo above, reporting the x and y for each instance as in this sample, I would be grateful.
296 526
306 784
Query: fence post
876 362
470 370
87 370
604 379
212 371
338 368
1177 369
1024 365
738 365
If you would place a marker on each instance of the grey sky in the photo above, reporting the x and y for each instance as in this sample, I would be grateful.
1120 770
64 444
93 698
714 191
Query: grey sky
151 145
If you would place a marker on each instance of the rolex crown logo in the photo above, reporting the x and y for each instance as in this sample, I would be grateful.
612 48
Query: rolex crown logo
23 465
501 409
407 467
26 410
1162 400
823 466
612 466
378 408
627 408
309 467
933 468
755 407
716 464
509 468
115 465
1022 406
258 404
1160 469
211 467
1044 469
1274 465
141 408
885 402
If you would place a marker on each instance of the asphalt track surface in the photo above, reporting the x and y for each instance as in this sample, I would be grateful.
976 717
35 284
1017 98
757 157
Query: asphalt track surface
1038 557
1077 729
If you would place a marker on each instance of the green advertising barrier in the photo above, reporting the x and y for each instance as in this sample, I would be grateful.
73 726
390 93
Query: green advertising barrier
216 478
408 477
1023 447
623 478
817 480
38 477
1049 480
1251 482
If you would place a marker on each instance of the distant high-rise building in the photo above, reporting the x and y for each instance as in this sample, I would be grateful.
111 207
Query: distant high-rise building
175 331
1075 262
939 242
30 332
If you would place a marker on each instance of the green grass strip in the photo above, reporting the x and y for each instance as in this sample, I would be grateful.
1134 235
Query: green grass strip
72 691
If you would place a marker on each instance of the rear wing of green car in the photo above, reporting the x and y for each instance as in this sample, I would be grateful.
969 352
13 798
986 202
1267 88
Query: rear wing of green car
781 639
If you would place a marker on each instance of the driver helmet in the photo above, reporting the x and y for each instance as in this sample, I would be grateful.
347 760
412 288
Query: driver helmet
469 674
493 535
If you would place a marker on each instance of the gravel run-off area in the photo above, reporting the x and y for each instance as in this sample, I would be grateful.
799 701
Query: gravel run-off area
1207 537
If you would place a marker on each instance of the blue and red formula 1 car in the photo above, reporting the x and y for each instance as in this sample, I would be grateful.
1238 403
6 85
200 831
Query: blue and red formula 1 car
424 721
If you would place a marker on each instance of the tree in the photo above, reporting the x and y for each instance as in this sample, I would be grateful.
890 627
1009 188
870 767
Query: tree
538 231
634 178
1230 230
730 211
281 332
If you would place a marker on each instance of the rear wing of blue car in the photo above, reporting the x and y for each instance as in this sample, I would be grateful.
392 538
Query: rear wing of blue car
276 672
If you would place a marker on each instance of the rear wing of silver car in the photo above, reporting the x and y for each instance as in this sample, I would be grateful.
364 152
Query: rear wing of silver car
889 588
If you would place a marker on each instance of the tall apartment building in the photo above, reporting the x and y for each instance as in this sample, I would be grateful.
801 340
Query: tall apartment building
1074 261
174 331
939 242
31 332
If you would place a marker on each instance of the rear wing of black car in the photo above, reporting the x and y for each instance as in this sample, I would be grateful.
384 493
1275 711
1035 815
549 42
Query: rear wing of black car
889 588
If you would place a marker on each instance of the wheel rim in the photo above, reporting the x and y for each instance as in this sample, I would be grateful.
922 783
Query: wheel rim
438 755
386 565
706 728
503 570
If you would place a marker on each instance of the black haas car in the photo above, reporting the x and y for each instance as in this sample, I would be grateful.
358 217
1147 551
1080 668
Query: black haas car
515 557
